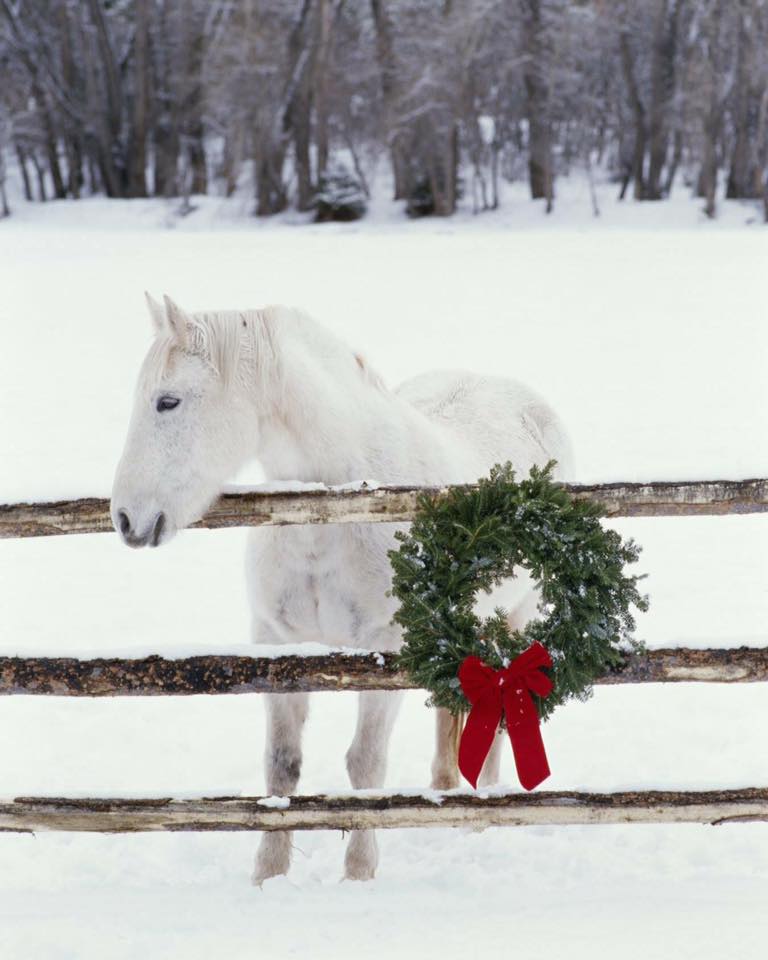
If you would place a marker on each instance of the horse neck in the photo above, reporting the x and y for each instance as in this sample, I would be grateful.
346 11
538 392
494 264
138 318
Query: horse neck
333 429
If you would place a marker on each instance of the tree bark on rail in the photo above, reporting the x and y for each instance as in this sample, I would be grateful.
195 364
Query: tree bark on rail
389 505
156 676
382 811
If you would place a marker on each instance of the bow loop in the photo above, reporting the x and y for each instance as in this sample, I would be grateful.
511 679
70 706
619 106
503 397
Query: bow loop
476 678
539 682
534 657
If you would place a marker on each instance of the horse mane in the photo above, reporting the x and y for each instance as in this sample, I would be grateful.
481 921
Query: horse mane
257 344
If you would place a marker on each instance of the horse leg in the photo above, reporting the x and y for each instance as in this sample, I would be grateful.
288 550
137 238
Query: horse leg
286 713
489 775
366 765
445 770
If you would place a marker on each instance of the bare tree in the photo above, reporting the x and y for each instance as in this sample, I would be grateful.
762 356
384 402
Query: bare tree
156 97
535 53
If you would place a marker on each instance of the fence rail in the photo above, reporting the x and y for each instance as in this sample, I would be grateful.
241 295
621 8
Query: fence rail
389 504
64 676
368 810
154 676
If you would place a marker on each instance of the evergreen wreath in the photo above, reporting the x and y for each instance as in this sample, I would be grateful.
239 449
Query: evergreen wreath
471 539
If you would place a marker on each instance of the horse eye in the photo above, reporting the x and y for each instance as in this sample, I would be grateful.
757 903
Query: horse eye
167 403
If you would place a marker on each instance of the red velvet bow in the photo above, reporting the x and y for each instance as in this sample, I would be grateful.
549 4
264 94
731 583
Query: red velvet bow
492 692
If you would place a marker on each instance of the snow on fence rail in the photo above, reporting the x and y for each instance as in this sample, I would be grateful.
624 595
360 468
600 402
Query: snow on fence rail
388 504
338 671
367 809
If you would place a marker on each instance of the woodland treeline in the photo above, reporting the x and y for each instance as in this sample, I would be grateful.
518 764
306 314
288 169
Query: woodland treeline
134 98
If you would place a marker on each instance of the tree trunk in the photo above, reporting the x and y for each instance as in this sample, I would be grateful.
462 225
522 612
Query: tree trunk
708 175
325 25
271 196
111 152
662 84
300 119
42 193
94 177
761 139
52 151
638 111
22 161
198 169
233 158
72 135
166 95
75 167
5 210
495 151
166 166
741 180
540 172
385 54
677 156
707 182
440 155
270 144
137 184
192 117
297 105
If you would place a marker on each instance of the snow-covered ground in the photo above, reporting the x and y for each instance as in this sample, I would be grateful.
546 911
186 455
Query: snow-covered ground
646 328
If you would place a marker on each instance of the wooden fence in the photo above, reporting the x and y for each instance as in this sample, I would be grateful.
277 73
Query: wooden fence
148 676
388 505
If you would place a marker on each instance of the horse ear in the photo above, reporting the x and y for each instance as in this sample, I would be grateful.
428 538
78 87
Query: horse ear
157 313
177 320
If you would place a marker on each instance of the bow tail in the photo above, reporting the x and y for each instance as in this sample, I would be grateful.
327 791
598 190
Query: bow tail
527 744
530 757
477 735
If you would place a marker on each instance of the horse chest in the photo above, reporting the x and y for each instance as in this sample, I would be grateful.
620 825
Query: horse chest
322 583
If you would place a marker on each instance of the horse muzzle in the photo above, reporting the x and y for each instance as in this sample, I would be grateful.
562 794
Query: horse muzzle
151 536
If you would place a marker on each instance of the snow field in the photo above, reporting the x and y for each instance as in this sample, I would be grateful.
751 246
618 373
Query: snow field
648 336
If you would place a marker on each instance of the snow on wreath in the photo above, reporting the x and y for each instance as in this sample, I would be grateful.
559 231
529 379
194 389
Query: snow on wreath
470 539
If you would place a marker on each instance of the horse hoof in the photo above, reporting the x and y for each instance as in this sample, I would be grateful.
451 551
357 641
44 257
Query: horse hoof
260 874
273 858
359 871
362 857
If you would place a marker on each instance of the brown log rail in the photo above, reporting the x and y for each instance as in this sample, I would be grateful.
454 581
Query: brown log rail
389 504
154 675
366 810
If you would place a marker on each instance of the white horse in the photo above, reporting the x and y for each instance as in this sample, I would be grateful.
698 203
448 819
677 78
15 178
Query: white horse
218 389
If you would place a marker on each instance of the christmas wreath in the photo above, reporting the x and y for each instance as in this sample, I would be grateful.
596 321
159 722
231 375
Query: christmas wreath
470 539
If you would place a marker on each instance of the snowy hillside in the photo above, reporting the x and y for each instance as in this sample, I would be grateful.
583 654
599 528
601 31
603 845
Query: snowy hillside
645 328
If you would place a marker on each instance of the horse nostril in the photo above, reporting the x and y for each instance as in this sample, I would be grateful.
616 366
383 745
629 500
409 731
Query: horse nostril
157 530
125 523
